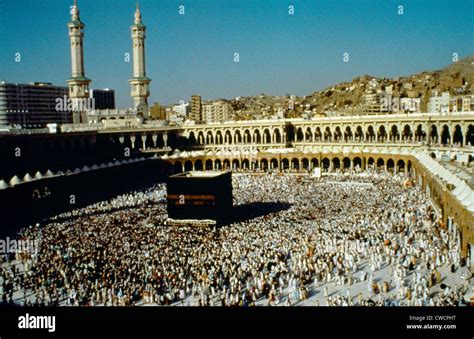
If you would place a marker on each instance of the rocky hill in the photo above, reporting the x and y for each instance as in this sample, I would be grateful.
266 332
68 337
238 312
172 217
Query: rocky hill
347 97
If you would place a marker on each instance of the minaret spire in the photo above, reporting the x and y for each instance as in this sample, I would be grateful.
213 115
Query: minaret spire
78 83
138 15
139 83
75 12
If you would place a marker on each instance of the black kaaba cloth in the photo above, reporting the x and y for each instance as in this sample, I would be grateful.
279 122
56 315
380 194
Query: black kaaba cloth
199 195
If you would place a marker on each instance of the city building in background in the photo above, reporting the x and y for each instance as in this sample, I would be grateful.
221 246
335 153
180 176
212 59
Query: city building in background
216 111
462 103
196 109
103 98
410 105
32 105
157 112
178 113
182 109
439 103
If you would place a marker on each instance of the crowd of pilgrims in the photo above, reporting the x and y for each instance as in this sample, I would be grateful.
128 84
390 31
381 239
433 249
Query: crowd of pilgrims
328 234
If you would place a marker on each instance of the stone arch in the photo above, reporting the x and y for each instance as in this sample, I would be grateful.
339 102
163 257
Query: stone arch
192 138
245 164
226 164
277 135
295 164
299 134
218 139
470 135
390 164
370 161
285 164
401 165
209 165
380 162
198 165
407 133
200 138
457 135
381 134
138 142
336 163
434 134
209 138
235 164
267 138
370 134
318 134
264 164
337 134
314 163
188 166
394 133
346 162
348 134
161 140
327 134
247 136
149 141
445 135
420 134
359 133
309 134
257 136
305 163
274 163
228 137
218 164
357 162
290 133
238 137
325 163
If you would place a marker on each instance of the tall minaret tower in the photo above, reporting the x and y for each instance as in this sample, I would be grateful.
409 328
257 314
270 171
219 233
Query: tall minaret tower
78 84
139 82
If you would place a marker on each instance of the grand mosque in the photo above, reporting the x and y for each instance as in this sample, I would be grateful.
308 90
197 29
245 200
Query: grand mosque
435 149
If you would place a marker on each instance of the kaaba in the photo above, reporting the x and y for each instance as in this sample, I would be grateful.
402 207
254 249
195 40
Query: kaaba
199 195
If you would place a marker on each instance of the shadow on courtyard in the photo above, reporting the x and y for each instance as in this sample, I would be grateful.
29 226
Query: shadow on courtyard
20 208
245 212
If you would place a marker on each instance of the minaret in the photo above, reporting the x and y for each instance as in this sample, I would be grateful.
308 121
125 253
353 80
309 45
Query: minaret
139 83
78 84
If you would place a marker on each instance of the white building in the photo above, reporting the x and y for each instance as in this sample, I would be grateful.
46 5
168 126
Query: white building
182 109
411 105
439 103
385 99
462 103
216 111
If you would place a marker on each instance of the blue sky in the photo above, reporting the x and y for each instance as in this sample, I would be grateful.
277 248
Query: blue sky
194 53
